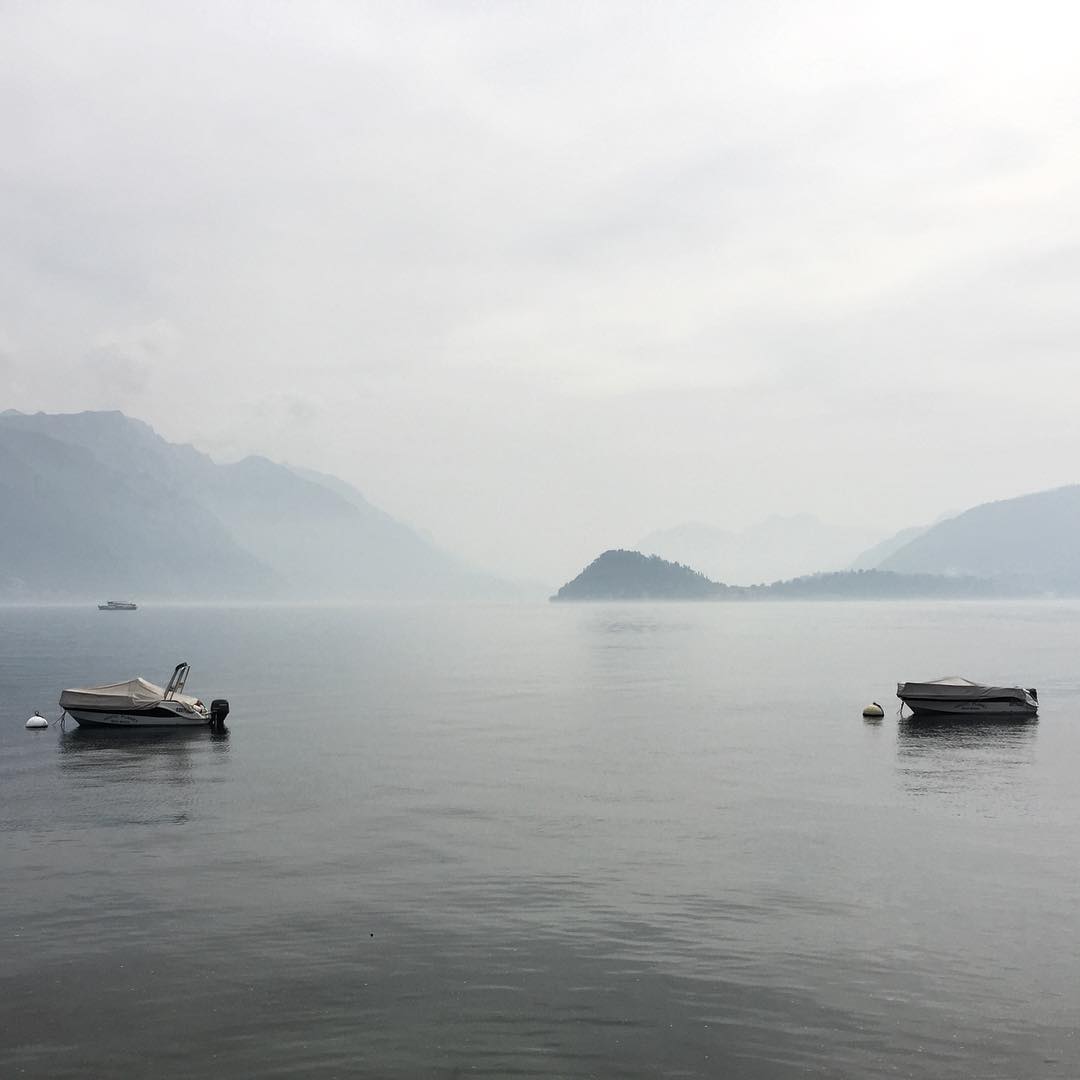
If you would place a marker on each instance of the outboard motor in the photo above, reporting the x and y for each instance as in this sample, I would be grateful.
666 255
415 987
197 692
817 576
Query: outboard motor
1034 693
219 709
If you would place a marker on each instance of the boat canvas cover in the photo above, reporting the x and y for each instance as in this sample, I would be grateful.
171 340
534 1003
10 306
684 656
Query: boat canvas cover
956 689
119 697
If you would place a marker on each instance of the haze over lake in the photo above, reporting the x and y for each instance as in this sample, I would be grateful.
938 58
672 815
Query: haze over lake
595 840
339 337
547 279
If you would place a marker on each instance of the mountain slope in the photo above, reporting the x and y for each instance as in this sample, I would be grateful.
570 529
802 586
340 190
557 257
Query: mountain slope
327 540
874 556
75 528
161 519
1033 537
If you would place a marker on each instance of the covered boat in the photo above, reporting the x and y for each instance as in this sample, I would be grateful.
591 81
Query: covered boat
954 696
136 703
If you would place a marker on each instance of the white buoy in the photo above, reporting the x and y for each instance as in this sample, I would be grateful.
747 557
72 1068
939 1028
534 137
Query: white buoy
37 721
873 711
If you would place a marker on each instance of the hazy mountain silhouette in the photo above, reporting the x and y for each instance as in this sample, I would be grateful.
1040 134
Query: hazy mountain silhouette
1034 539
98 504
778 547
874 556
126 511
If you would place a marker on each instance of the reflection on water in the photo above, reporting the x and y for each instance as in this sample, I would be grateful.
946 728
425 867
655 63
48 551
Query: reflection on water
105 744
963 756
161 755
914 736
152 776
631 618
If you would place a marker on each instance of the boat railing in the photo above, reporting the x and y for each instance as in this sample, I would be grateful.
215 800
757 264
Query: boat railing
178 681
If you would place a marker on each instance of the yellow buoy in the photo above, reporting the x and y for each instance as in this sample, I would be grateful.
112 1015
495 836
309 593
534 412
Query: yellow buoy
873 711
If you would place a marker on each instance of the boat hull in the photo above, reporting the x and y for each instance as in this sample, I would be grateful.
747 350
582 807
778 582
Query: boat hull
142 719
977 710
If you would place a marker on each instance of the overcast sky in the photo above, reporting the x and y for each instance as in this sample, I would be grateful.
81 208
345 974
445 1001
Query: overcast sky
542 278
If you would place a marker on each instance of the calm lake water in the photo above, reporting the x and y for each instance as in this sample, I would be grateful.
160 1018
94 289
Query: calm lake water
582 841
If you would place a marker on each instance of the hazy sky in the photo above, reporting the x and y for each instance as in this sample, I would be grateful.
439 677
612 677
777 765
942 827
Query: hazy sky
542 278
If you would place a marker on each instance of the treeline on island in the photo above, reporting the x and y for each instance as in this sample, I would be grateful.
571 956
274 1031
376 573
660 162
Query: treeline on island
630 575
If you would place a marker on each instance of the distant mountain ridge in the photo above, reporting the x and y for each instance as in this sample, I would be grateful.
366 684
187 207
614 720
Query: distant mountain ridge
619 574
1023 546
96 503
781 546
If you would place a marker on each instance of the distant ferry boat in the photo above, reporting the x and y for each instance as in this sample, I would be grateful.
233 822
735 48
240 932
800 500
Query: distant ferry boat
118 605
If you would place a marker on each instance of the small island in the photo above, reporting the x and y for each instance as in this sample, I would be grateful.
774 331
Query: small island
629 575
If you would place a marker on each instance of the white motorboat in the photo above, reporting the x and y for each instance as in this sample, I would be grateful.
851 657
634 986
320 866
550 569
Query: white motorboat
139 703
954 696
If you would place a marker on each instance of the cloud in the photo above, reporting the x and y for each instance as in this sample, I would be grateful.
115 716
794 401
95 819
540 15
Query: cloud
124 364
510 258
